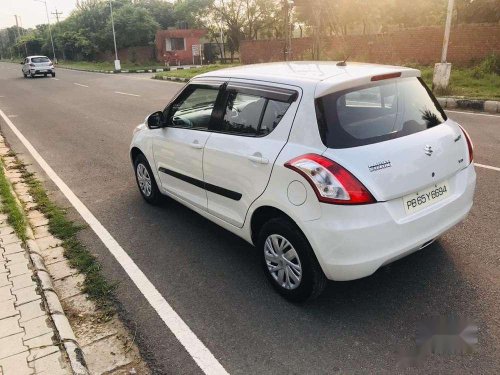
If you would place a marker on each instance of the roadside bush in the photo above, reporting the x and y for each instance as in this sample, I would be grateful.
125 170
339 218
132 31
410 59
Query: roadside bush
490 65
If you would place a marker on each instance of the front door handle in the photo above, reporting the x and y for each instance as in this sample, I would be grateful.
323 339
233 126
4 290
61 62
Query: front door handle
196 145
257 158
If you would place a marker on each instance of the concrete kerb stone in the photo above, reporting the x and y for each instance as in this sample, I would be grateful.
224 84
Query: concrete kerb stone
116 71
490 106
54 307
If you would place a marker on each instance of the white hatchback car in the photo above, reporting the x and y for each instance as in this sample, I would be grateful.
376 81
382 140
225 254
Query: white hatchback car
37 65
330 170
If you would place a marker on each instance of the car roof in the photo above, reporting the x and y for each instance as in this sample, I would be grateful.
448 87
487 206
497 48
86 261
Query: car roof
303 73
29 57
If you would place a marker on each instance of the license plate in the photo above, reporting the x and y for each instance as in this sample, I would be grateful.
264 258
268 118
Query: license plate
417 201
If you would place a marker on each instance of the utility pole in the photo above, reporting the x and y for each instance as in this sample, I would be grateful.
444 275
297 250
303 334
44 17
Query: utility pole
19 34
50 30
57 14
286 30
117 61
442 70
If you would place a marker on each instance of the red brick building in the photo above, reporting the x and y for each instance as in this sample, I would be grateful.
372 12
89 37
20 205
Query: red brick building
176 45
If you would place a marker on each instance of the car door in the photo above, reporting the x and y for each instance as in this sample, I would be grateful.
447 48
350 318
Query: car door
178 147
253 128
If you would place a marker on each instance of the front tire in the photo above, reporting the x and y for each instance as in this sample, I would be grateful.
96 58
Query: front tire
146 180
289 261
53 75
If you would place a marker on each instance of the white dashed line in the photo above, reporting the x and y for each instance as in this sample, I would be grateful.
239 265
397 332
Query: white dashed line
79 84
198 351
125 93
55 79
487 167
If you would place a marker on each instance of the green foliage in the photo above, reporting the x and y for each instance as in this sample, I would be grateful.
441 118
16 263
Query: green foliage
134 26
10 207
190 73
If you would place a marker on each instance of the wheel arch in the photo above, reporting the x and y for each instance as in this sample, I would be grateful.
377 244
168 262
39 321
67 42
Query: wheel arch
262 215
134 152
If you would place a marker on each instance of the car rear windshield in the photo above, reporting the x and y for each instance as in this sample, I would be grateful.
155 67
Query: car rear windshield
377 112
39 59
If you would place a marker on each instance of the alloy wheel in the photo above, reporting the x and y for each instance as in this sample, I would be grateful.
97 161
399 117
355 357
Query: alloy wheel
283 261
144 179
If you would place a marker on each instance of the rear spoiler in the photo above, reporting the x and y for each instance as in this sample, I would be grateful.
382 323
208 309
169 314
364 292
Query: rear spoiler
348 80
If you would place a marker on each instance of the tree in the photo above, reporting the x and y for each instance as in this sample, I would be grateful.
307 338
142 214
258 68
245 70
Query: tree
134 26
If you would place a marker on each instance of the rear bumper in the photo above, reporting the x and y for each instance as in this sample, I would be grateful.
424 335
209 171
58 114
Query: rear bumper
353 242
42 71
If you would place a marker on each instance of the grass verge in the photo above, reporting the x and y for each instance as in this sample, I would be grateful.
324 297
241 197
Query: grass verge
10 207
190 73
465 82
95 285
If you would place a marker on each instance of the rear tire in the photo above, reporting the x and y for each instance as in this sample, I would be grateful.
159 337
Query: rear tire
300 262
25 75
53 75
146 180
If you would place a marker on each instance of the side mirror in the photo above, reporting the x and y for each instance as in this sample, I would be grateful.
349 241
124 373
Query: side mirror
22 63
156 120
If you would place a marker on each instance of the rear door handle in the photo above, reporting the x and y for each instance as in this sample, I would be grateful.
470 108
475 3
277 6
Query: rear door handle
196 145
258 159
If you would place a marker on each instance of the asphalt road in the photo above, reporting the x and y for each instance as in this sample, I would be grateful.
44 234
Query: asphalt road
213 279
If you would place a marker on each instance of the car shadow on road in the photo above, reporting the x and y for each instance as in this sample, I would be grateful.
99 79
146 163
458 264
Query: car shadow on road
377 315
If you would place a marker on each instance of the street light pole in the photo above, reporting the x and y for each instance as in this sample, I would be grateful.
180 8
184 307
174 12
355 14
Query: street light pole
442 70
50 30
117 61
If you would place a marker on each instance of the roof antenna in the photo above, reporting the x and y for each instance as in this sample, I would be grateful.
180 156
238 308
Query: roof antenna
342 63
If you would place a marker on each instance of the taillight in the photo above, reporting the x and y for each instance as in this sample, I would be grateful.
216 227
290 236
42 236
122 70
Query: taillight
331 182
470 146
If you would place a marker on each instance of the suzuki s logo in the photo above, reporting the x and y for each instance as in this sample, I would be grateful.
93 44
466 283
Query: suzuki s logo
428 150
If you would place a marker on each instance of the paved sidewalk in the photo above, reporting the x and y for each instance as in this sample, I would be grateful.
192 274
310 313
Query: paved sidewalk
28 340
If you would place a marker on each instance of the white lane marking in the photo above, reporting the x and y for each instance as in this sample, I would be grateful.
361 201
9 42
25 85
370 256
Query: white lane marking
473 113
55 79
2 96
79 84
487 167
198 351
125 93
12 116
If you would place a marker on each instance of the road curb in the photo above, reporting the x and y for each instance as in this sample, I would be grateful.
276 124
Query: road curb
125 71
174 79
54 307
490 106
50 298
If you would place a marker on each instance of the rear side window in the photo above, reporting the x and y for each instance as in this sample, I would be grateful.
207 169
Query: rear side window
377 112
250 114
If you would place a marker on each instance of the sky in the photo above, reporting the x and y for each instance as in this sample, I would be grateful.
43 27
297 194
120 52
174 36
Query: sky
32 12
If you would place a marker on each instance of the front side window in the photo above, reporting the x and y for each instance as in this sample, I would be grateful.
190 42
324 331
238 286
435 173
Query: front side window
377 112
193 108
251 115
